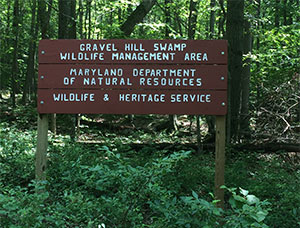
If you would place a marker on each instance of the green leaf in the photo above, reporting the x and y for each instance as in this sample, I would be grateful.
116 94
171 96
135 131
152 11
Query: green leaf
260 216
239 198
252 199
232 202
195 194
244 192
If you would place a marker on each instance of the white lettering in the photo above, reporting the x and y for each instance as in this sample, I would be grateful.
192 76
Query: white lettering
73 97
156 98
184 98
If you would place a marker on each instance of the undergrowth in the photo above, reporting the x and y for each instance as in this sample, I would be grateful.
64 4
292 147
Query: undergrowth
113 185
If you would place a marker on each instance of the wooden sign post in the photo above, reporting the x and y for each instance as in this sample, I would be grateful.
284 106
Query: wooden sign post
133 77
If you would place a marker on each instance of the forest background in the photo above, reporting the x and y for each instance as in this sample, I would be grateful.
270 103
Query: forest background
154 171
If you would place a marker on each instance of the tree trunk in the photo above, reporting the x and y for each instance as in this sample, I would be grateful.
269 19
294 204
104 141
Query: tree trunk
235 53
298 113
277 3
290 15
44 19
222 19
80 13
212 19
172 118
72 35
199 137
244 128
63 18
257 87
192 22
298 15
14 68
134 18
173 123
5 59
72 20
33 83
32 47
167 19
285 12
178 24
67 30
89 4
137 16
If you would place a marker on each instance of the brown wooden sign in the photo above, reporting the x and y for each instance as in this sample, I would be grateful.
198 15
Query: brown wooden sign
133 76
133 51
132 101
66 76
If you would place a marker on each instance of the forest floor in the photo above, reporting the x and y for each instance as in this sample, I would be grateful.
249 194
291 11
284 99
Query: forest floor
125 174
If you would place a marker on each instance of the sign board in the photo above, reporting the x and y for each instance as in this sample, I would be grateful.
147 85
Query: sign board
133 76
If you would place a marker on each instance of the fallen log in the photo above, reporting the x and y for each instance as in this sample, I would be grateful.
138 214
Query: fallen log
269 147
262 148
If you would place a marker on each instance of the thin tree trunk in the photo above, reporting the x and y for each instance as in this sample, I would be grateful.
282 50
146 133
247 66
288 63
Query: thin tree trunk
178 24
298 15
134 18
222 19
285 12
290 15
172 118
298 113
277 3
89 18
5 59
199 137
192 22
120 16
63 19
72 35
44 19
72 25
33 83
80 13
244 128
48 13
235 42
257 48
67 30
212 19
30 61
14 68
167 19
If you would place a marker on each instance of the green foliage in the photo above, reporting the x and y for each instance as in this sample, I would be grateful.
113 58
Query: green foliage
16 155
269 177
278 56
119 186
246 210
89 185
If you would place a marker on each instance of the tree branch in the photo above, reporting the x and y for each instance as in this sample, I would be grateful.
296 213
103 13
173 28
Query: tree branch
137 16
